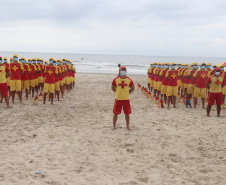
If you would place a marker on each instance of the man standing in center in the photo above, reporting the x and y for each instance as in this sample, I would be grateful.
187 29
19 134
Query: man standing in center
122 86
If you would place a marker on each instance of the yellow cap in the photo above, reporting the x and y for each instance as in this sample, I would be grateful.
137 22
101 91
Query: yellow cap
173 63
11 59
50 58
163 64
167 63
179 64
222 66
15 55
5 58
185 64
208 64
46 61
34 59
23 58
195 63
159 63
203 63
38 58
29 59
41 60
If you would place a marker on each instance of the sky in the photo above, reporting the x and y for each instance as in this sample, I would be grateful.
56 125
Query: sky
195 28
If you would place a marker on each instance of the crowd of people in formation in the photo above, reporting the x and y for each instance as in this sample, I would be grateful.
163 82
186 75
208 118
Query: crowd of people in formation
168 81
35 76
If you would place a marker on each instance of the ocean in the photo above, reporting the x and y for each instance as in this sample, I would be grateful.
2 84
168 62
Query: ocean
97 63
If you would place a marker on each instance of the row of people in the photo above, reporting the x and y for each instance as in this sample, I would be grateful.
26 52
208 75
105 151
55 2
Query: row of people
193 82
36 75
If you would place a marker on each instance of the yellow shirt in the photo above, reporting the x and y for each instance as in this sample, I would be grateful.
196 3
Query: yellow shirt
215 84
149 70
3 73
122 87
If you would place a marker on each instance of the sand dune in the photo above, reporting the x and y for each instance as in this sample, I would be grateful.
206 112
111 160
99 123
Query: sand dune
72 142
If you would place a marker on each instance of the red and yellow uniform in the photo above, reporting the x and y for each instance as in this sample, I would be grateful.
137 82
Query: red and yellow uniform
24 77
40 74
164 81
149 74
152 77
3 82
37 74
15 79
31 76
179 79
191 86
49 83
61 78
122 95
181 74
67 79
215 92
172 89
57 84
7 79
200 83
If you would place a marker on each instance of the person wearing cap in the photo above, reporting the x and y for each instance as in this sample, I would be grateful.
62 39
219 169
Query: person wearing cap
179 79
11 60
153 76
36 74
172 89
200 77
164 81
73 75
7 79
191 85
185 79
158 67
215 84
31 77
51 73
24 77
149 76
40 74
15 79
57 83
4 73
68 70
61 83
122 86
159 83
213 71
209 67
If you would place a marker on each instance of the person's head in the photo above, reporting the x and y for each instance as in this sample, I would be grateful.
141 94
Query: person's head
54 62
11 60
179 65
195 66
203 66
119 65
217 71
15 58
46 63
185 66
29 61
64 61
58 62
5 60
167 65
123 71
34 60
159 65
214 67
222 68
38 60
41 61
51 61
208 66
173 66
22 60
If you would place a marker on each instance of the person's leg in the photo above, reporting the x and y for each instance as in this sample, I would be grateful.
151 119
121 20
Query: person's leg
44 98
7 101
20 96
51 97
33 91
203 102
26 94
165 98
58 95
218 110
174 101
223 98
195 102
127 118
13 96
169 100
115 117
149 86
208 110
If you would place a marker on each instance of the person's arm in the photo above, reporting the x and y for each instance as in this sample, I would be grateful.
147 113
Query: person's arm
22 71
8 74
113 88
132 88
207 85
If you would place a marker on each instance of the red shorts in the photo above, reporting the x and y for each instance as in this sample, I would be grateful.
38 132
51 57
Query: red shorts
122 103
215 96
3 89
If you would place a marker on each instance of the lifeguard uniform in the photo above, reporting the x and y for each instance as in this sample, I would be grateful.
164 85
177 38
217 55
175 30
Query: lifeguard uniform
200 83
172 89
57 84
24 77
37 74
7 79
215 92
40 74
164 81
149 75
181 74
61 78
3 83
179 79
191 86
159 83
122 95
15 79
67 79
49 83
152 77
31 76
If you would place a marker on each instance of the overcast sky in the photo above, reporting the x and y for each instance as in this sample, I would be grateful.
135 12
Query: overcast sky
127 27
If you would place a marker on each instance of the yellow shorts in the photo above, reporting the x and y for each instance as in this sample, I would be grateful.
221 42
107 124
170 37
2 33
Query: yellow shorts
191 88
182 85
48 88
152 83
36 81
159 84
67 82
155 84
40 79
57 86
73 79
61 82
199 92
25 84
32 83
163 89
149 80
172 91
224 90
178 82
8 81
15 85
64 80
185 85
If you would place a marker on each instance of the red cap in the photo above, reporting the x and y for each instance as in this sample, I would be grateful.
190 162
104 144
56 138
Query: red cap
217 69
123 67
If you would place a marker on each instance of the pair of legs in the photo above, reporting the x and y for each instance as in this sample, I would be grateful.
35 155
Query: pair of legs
50 96
173 100
165 97
196 101
209 108
13 96
6 100
115 118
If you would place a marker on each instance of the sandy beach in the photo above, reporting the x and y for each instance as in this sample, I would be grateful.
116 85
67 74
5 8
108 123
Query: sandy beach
71 142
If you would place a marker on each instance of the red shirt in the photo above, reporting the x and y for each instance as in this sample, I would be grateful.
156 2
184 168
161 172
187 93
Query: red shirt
172 77
192 79
50 71
16 70
38 70
152 74
164 81
201 78
25 74
41 71
61 77
31 76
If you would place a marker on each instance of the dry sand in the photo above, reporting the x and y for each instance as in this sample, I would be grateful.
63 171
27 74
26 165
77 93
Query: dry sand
72 141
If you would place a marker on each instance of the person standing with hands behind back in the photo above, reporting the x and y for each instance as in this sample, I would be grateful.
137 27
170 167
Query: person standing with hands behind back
122 86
